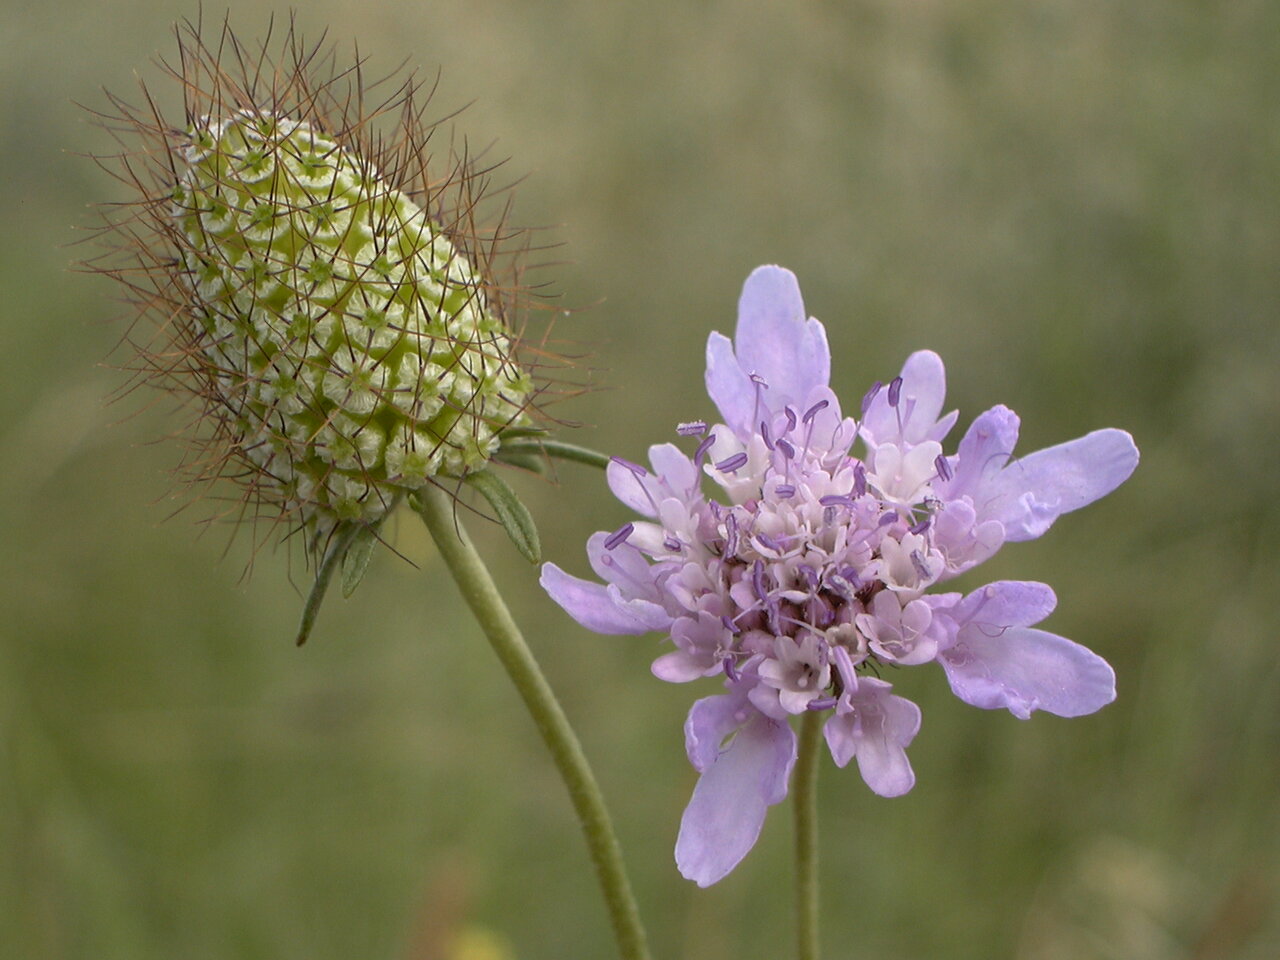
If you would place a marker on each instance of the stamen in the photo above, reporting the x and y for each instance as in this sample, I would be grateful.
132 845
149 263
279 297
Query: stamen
870 395
729 624
791 418
815 410
672 544
810 575
785 491
730 464
769 542
764 434
700 454
731 670
619 536
635 468
888 518
859 480
829 515
787 449
944 469
731 535
895 391
822 703
759 381
694 428
757 581
836 500
917 561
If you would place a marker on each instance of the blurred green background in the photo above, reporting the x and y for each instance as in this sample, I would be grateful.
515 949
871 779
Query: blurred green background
1076 203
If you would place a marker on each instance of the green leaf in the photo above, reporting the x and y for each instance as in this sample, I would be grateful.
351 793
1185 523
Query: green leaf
342 537
512 514
356 560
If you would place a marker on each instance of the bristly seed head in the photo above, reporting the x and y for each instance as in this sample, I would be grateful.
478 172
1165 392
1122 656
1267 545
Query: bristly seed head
330 304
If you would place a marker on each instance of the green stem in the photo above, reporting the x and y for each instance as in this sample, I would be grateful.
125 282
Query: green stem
482 596
559 449
804 790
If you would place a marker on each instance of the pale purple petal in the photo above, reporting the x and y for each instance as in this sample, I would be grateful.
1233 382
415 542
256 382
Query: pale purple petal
1030 493
640 492
725 815
915 418
1024 670
729 388
1006 603
876 727
986 447
599 608
775 339
710 722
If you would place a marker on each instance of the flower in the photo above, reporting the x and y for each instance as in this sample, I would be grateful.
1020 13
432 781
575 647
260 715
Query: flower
816 569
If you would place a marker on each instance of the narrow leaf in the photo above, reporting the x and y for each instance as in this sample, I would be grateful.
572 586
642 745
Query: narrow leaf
557 448
356 560
512 514
342 537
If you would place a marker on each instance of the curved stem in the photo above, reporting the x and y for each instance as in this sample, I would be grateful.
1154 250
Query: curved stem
482 596
804 796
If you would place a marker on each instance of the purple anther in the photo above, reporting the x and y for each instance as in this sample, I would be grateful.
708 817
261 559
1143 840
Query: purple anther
791 418
836 500
889 518
700 454
769 542
731 669
922 526
810 575
729 624
917 561
816 409
694 428
870 395
895 391
773 607
859 480
759 381
757 581
944 469
672 544
841 586
764 434
635 468
787 449
619 536
785 491
731 535
822 703
730 464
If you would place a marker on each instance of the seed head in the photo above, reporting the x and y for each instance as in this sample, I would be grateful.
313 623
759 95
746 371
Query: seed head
313 283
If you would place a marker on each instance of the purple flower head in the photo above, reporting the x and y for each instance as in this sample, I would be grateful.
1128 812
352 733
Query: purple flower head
813 569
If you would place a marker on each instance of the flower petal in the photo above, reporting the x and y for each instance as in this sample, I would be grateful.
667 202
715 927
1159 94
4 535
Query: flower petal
1029 494
985 449
776 341
1024 670
915 418
876 727
725 815
729 388
1004 604
599 608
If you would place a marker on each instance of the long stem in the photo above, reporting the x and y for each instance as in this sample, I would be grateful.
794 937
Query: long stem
482 596
804 796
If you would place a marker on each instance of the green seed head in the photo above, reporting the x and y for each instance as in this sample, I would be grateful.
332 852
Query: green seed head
349 335
321 285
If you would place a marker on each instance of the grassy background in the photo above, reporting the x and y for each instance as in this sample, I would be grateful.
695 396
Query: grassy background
1077 203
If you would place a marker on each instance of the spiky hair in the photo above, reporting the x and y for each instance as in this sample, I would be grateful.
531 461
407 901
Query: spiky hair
157 244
